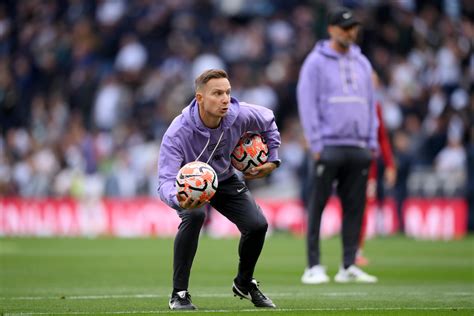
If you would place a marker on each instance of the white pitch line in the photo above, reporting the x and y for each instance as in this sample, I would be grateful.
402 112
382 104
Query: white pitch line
459 293
342 294
80 297
248 310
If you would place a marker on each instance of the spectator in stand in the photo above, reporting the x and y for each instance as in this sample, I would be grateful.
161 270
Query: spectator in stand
452 158
404 162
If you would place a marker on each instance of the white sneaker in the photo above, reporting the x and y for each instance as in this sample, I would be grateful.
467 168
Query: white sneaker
354 274
315 275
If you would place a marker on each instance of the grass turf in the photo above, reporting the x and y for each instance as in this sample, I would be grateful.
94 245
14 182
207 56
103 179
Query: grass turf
133 276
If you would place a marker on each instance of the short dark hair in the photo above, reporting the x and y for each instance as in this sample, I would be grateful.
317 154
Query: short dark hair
207 75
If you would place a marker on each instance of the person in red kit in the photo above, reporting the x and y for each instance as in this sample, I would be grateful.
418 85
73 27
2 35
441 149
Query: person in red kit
390 176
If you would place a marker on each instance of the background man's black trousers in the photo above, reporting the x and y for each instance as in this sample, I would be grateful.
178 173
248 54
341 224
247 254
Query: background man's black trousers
349 166
234 201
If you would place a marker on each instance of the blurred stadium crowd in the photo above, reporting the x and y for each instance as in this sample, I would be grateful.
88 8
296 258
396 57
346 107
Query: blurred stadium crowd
87 88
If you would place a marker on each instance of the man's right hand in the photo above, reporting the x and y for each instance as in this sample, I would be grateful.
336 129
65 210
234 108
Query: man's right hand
316 156
189 203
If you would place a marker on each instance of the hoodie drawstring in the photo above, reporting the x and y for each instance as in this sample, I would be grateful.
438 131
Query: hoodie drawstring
342 74
197 158
353 75
348 75
213 151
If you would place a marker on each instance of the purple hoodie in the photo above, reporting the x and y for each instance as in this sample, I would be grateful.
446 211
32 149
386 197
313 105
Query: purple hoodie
188 139
336 100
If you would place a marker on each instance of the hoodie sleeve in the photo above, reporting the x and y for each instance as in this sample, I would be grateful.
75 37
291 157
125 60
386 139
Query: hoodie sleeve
308 103
169 163
264 123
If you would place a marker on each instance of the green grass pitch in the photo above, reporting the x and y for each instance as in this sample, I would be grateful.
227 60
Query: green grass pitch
105 276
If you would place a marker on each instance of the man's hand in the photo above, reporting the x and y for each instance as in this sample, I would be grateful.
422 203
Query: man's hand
189 203
316 156
260 171
390 176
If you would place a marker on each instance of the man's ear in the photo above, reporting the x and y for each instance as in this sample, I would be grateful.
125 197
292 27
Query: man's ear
198 97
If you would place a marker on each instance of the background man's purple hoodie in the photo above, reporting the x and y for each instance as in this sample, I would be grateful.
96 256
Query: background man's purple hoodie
187 137
336 99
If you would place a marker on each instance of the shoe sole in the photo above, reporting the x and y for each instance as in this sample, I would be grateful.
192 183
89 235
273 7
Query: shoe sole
191 308
183 308
314 282
354 281
362 262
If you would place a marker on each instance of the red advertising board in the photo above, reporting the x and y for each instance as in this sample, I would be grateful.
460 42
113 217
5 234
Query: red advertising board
424 218
435 219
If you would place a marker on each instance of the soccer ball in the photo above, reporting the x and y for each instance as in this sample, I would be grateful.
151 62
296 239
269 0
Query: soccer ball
251 151
197 180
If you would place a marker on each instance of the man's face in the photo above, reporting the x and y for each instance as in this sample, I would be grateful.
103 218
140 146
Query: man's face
214 98
344 36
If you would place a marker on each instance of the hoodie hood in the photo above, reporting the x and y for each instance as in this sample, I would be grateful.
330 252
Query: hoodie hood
323 47
191 116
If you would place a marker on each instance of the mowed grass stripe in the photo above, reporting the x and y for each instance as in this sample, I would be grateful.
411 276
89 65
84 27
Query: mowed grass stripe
67 276
216 295
276 310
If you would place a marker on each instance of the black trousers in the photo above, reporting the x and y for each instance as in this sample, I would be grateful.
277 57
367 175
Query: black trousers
234 201
349 166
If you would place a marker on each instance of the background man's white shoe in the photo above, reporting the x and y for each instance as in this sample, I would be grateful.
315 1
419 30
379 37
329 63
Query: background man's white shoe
315 275
354 274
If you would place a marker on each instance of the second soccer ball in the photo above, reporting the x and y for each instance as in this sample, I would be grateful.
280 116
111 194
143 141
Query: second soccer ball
251 151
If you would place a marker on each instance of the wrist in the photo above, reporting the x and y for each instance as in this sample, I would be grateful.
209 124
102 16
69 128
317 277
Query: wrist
276 163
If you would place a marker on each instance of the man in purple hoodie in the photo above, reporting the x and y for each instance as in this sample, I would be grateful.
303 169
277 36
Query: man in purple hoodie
337 111
208 130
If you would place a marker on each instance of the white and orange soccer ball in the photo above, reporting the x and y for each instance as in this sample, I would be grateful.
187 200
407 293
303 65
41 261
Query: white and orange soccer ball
198 180
251 151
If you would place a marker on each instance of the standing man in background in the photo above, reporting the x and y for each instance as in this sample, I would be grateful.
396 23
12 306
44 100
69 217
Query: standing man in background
336 105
